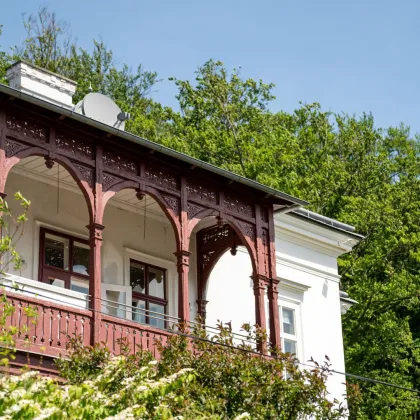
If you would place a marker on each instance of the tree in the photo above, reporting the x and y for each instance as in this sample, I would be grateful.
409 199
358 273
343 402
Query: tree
49 44
12 229
348 170
3 61
196 380
344 165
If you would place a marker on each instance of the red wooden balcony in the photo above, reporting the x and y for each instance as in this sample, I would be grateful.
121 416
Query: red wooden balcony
44 328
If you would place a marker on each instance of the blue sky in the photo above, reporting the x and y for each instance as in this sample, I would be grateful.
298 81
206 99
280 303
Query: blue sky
351 56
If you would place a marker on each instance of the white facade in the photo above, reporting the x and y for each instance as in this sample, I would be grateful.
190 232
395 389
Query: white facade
306 264
306 256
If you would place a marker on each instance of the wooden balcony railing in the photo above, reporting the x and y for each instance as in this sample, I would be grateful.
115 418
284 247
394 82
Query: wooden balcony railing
44 327
139 337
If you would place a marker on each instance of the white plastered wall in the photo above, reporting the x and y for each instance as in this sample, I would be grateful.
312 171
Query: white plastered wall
123 236
309 283
307 270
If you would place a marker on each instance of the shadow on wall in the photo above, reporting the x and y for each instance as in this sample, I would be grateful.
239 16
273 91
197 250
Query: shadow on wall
325 289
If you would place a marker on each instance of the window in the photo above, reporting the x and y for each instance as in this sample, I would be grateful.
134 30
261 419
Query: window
288 330
149 301
64 261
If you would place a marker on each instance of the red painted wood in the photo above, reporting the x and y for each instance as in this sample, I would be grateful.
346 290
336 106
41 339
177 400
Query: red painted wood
260 319
102 166
45 332
273 284
95 241
183 264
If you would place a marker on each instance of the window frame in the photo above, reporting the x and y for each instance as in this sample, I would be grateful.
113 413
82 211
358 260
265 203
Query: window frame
283 335
146 297
45 271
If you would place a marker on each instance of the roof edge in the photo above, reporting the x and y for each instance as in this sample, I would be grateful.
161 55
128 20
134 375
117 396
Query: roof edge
324 221
150 144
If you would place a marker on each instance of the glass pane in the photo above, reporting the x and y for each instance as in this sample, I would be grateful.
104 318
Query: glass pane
289 346
79 285
57 282
56 251
115 303
154 318
156 282
138 314
137 277
81 254
288 321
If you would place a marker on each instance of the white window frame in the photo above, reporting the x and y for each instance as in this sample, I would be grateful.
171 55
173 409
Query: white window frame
295 307
290 300
117 288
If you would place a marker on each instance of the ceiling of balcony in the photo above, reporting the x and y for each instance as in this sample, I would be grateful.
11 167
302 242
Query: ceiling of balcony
34 168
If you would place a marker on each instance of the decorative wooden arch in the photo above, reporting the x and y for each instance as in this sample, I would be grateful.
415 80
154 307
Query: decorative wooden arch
102 165
74 170
141 192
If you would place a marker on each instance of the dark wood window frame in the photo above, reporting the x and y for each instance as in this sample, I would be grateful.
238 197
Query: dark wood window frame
45 271
146 297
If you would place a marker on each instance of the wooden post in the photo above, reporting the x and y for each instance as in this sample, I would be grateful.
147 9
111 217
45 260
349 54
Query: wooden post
95 241
273 284
183 256
202 309
183 264
273 307
2 150
260 320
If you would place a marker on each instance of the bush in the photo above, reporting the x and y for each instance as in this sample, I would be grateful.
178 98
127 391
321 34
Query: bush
197 377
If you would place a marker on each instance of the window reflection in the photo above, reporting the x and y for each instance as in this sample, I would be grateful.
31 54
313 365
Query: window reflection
137 277
81 256
56 251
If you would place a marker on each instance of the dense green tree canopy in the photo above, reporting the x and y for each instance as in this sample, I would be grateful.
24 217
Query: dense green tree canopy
344 165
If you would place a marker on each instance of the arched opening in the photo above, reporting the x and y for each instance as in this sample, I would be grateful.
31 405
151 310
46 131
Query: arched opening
224 270
230 292
54 246
139 274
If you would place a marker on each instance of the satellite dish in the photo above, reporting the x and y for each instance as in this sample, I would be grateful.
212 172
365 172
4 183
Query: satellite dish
102 108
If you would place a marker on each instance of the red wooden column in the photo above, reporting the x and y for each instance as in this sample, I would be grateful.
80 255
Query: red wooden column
260 278
259 293
183 264
273 284
2 151
183 257
273 307
95 241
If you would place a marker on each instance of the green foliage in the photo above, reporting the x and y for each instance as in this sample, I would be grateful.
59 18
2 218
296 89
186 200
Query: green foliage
84 362
49 45
3 62
12 229
200 378
345 166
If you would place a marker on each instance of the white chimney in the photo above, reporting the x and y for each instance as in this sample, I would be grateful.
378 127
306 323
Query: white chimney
41 83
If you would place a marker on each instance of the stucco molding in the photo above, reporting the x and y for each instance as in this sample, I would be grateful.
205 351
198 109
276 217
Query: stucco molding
312 236
292 286
302 267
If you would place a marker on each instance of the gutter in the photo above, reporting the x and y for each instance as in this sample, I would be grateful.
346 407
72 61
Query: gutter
270 192
324 221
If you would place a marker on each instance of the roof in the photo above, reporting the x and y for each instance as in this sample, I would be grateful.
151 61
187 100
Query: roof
269 192
327 222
